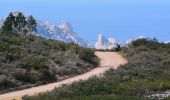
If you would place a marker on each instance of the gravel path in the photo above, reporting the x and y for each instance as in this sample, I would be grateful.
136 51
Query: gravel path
107 60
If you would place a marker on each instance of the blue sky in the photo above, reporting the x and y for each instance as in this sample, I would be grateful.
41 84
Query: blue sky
121 19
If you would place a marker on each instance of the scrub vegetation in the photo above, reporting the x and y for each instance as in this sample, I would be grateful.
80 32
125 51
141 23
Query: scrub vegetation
147 72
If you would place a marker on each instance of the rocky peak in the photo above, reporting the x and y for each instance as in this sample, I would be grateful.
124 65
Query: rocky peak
100 43
66 27
104 43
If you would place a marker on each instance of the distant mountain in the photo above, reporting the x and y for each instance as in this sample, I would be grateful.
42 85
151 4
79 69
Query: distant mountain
63 32
104 43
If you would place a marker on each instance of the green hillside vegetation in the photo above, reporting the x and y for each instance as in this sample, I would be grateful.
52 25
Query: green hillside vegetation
147 72
27 60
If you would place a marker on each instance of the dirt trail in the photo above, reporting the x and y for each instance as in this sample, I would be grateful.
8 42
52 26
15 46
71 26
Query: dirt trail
108 60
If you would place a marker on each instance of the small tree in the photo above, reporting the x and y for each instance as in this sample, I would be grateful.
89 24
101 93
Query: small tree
20 23
7 27
31 25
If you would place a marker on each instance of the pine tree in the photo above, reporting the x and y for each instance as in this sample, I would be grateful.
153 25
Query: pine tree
31 25
12 18
8 24
20 23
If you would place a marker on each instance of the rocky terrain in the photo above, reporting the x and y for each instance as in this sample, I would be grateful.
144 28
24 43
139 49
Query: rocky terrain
104 44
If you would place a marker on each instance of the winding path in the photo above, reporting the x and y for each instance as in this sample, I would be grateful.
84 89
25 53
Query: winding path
107 60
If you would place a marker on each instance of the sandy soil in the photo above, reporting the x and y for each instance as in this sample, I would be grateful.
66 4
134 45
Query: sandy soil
108 60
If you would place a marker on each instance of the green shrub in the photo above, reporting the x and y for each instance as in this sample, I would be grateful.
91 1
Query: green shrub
139 42
88 56
35 63
6 83
14 40
1 47
48 76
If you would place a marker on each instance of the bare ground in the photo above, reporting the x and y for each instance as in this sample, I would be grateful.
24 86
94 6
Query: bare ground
107 60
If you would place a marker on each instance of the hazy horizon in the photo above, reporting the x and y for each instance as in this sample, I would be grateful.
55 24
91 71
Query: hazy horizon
121 19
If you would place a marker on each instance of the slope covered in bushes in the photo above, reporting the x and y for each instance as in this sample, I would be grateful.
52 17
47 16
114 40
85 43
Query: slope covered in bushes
27 60
147 72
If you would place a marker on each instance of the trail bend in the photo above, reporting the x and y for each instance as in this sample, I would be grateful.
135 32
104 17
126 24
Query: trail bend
107 60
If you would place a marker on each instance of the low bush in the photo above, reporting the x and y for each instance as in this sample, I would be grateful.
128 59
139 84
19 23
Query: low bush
88 55
35 63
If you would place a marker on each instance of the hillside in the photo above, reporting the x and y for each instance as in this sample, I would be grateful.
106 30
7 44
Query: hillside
27 60
147 72
105 64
